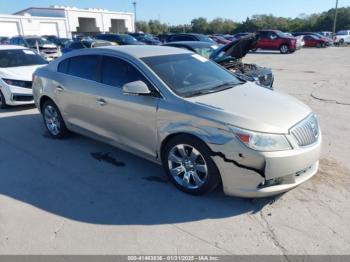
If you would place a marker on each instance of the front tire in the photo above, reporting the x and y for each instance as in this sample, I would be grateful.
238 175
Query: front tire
53 120
3 104
188 163
284 49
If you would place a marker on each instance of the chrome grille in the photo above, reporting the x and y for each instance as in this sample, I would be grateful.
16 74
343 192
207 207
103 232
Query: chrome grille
307 132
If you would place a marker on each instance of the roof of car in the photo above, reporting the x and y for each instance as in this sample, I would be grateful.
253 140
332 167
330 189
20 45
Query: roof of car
140 51
192 44
11 47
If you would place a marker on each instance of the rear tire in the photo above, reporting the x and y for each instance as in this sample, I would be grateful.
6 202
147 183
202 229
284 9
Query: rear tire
284 49
189 164
53 120
3 104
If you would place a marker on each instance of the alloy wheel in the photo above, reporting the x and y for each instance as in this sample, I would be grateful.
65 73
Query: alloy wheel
187 166
52 120
284 49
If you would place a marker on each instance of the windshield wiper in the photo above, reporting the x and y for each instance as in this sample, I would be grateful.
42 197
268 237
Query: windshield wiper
216 89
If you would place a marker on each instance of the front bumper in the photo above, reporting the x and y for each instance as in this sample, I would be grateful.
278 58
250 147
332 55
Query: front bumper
50 56
280 171
15 96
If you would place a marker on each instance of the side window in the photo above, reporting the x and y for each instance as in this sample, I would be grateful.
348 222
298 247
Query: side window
13 41
21 42
263 35
272 36
76 45
84 66
63 66
116 72
182 38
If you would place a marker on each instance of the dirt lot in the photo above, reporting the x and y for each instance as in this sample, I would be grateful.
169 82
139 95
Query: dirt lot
69 197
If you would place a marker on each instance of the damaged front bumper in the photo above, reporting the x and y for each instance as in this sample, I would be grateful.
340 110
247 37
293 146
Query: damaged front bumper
270 174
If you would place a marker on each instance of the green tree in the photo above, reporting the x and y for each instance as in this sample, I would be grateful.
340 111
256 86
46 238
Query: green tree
200 25
143 26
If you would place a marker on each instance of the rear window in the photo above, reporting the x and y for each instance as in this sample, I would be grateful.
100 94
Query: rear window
63 66
83 66
179 38
20 57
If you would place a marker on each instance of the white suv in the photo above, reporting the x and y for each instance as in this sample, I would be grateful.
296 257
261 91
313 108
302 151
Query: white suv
342 37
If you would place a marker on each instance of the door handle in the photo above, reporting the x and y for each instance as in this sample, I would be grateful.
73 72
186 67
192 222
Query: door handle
59 88
101 102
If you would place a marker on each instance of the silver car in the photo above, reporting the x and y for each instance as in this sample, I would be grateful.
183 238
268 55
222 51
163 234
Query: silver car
178 109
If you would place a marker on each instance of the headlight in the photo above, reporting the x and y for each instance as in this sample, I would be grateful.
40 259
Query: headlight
262 141
18 83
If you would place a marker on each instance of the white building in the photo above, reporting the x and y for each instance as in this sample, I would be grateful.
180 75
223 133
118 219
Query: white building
64 21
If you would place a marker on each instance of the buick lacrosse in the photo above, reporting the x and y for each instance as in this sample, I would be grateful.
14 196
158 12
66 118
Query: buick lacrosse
178 109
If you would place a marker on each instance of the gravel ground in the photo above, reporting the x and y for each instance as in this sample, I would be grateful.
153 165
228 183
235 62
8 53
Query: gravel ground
79 196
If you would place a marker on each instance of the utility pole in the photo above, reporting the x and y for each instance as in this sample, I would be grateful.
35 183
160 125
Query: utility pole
335 18
135 17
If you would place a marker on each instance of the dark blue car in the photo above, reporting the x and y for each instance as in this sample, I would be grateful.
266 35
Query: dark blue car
80 44
145 38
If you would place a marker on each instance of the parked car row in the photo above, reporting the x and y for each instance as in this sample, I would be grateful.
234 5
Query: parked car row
230 57
47 49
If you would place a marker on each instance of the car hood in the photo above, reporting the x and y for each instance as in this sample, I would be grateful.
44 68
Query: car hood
23 73
236 50
252 107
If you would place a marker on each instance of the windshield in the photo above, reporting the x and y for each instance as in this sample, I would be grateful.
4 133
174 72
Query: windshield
41 41
191 74
206 51
206 39
20 57
281 34
342 33
128 39
146 37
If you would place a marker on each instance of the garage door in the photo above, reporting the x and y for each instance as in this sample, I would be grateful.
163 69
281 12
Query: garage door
48 29
9 29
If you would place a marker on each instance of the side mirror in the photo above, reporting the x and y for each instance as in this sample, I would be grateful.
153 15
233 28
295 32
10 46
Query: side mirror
136 88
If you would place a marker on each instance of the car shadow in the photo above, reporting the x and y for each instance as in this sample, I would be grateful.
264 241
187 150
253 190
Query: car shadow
17 108
265 53
84 180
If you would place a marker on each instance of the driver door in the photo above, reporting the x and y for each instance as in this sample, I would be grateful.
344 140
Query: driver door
129 120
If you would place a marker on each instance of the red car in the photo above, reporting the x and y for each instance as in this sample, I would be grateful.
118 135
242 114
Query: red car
276 40
314 41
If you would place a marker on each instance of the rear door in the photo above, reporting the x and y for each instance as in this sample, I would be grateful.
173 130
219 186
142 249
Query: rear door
263 41
76 91
308 41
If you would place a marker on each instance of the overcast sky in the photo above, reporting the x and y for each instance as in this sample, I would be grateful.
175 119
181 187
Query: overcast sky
182 11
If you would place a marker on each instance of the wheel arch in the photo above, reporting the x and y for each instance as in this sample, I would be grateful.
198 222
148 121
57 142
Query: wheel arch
168 138
43 100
